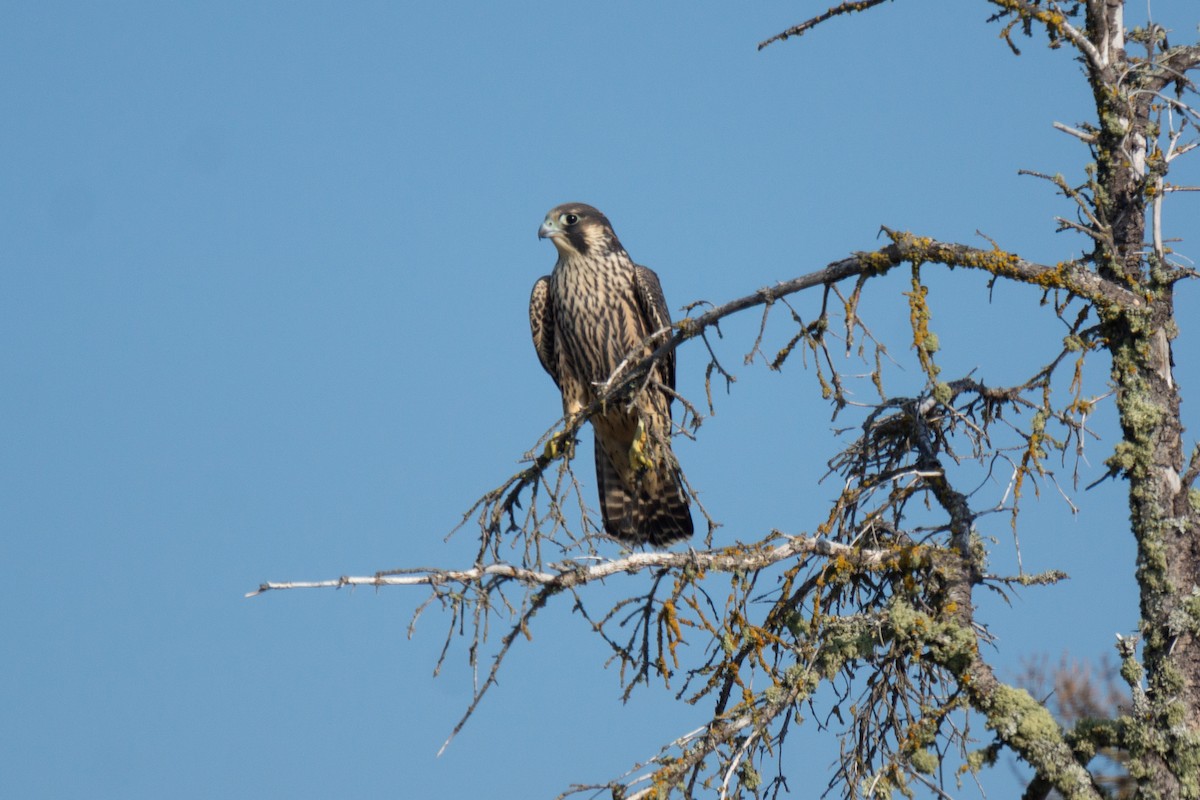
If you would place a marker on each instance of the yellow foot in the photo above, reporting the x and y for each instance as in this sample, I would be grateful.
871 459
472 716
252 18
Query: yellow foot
560 444
639 451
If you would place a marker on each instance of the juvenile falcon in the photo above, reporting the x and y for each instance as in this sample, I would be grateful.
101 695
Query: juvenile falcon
586 317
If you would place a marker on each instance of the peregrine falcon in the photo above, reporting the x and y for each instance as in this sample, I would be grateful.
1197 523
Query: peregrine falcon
586 317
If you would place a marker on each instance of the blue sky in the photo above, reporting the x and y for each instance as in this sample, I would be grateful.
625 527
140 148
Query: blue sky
264 270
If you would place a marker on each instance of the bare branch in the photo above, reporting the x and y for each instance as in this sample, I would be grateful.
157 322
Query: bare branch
797 30
569 575
1083 136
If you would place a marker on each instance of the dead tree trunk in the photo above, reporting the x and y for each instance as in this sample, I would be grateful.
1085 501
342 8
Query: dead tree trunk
1165 745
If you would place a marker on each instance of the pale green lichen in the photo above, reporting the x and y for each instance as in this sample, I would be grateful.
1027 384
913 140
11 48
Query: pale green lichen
748 776
946 642
978 759
1016 716
797 624
1073 343
801 678
1192 606
924 762
1123 458
843 640
1140 411
879 786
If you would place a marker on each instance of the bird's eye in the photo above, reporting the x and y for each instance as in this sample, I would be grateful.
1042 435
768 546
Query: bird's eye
568 219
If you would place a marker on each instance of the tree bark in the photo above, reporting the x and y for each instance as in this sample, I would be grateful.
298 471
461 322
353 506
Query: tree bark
1166 757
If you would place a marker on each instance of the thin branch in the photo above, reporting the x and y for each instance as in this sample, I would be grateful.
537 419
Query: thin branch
1056 20
1078 134
797 30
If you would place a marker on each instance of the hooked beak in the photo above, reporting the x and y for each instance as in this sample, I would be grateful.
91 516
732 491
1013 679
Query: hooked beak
548 229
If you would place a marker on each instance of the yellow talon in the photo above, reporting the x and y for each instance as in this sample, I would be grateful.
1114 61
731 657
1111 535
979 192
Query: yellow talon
556 447
639 457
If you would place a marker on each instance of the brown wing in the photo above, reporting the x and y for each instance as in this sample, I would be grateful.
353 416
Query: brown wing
654 310
541 325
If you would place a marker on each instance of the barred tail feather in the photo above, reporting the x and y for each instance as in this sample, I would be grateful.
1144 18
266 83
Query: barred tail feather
654 511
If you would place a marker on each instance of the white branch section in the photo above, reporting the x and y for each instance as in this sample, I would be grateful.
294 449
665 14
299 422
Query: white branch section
1078 134
1096 59
572 573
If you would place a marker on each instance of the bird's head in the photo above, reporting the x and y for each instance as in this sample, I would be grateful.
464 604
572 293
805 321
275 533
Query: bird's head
578 229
